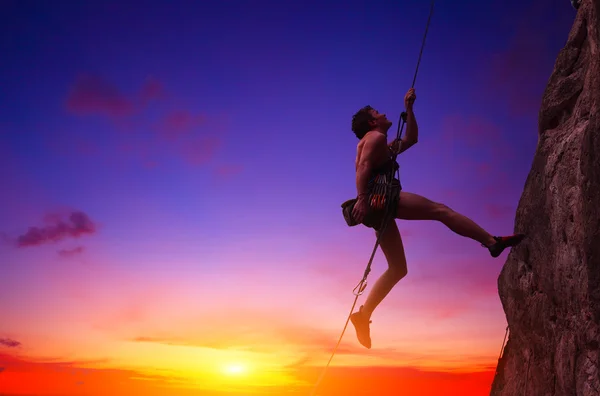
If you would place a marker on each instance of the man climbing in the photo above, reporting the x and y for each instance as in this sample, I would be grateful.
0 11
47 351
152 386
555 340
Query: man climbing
374 167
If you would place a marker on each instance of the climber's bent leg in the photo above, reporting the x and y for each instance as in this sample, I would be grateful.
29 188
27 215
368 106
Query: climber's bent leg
393 249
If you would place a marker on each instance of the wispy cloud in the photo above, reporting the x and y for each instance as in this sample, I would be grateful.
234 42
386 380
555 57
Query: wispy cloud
172 130
92 94
77 225
179 123
10 343
153 89
71 252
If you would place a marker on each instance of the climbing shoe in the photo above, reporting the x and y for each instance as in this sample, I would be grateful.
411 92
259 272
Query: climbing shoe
502 242
361 325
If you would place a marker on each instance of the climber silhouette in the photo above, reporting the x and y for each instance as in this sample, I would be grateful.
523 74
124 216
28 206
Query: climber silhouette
373 162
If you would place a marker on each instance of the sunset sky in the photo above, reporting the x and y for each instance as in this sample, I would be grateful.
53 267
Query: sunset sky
172 175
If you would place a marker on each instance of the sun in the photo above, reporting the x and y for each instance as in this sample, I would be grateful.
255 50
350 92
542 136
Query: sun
235 369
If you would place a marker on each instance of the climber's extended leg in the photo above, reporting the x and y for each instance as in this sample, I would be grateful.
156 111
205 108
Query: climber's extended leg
393 249
415 207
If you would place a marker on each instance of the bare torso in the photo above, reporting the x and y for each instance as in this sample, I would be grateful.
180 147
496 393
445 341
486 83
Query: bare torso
380 157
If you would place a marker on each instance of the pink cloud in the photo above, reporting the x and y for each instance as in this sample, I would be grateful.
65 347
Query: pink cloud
10 343
200 150
177 133
179 141
179 123
79 224
93 95
71 252
152 90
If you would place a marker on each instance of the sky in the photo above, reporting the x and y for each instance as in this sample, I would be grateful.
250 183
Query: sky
172 176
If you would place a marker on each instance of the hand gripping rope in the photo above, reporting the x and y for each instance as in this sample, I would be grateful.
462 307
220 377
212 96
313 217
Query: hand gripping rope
361 286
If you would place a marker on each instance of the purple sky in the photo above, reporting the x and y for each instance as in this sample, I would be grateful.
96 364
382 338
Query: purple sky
205 149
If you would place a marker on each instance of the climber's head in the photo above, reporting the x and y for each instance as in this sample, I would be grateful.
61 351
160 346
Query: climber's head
368 119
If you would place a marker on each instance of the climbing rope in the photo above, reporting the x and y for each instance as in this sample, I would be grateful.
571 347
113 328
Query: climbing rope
502 348
362 285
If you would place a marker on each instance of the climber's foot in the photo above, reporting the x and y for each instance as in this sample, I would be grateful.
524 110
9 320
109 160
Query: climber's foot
502 242
361 325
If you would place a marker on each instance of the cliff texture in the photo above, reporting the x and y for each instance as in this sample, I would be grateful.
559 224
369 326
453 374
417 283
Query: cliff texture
550 284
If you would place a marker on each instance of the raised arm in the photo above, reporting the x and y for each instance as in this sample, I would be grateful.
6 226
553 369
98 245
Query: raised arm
411 136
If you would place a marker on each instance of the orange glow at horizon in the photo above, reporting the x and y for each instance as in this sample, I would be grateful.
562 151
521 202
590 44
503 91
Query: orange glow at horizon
23 377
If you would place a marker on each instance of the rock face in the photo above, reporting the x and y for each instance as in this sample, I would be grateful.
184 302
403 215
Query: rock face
550 284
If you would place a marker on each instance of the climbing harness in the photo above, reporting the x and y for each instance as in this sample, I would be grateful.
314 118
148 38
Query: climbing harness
361 286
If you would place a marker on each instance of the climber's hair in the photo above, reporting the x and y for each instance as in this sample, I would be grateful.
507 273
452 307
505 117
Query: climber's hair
360 121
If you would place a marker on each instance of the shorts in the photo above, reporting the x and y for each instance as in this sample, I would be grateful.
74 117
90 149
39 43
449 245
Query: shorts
374 217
